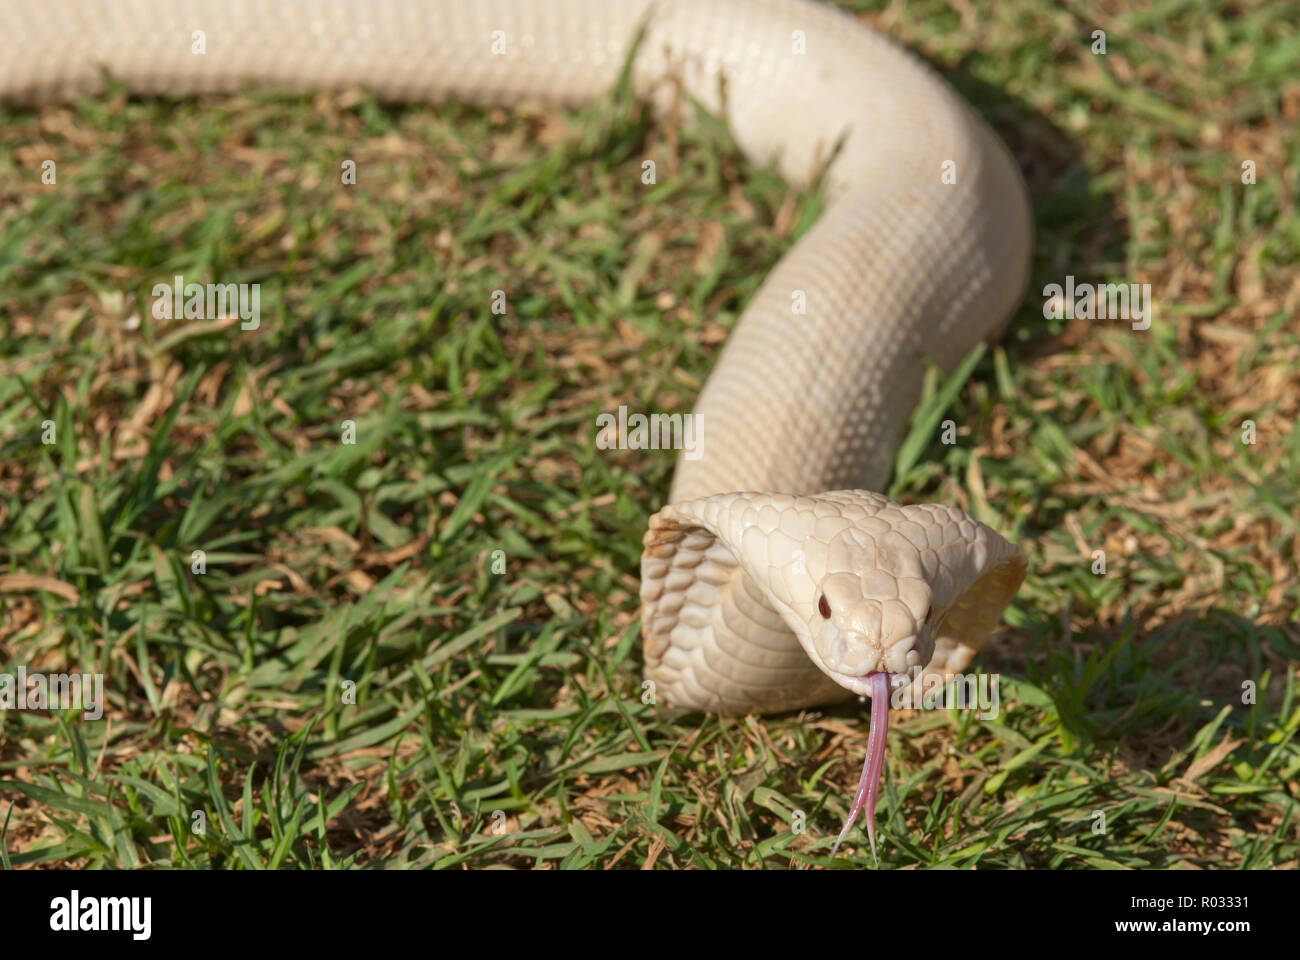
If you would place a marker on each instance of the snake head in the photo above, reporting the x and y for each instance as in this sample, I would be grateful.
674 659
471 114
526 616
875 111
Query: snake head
870 618
876 587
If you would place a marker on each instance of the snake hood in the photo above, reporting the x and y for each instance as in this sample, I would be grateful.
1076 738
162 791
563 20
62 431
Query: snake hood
865 585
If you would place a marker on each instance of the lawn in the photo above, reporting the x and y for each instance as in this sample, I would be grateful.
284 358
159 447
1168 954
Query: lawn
422 648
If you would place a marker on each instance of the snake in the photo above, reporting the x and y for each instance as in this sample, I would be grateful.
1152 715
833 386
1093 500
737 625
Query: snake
776 578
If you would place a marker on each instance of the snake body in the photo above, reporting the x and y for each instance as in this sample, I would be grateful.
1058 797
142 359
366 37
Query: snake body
773 580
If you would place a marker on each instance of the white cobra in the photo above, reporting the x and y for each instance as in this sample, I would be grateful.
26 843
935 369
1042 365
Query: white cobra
814 590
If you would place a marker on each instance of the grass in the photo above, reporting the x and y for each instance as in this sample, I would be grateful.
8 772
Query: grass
349 684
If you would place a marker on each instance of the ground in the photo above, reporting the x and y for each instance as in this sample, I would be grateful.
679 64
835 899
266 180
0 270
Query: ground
351 684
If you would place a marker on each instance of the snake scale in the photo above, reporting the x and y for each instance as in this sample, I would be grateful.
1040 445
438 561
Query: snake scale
774 579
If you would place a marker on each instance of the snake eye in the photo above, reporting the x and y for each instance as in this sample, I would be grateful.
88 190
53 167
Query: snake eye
823 607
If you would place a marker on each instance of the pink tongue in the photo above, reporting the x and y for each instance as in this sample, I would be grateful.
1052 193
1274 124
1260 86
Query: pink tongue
869 785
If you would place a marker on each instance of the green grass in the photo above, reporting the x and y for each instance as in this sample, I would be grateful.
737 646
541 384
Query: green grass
476 692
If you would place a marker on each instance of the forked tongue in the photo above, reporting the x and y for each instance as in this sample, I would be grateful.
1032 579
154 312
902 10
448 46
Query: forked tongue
869 785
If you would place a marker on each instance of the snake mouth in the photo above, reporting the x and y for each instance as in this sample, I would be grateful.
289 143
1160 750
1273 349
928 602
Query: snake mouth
861 684
843 659
864 685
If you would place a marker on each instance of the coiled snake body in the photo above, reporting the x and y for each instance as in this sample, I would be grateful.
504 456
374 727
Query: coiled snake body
773 580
